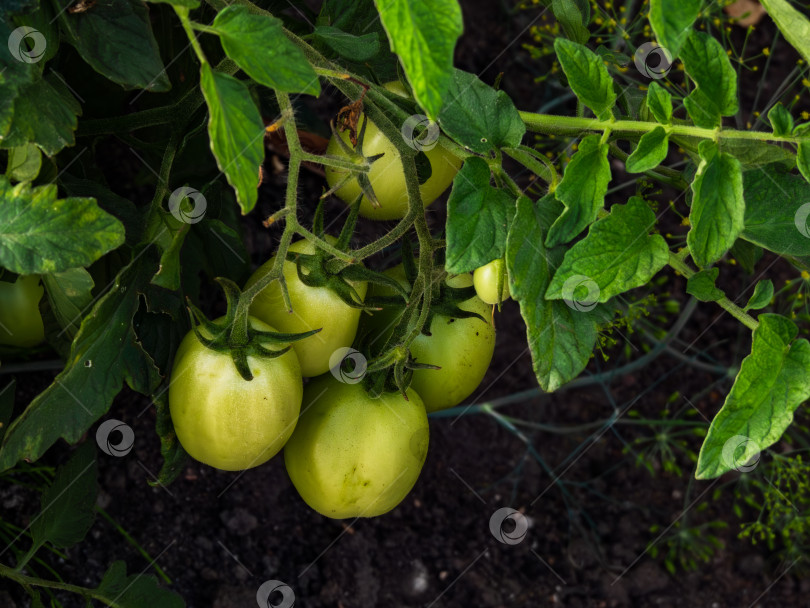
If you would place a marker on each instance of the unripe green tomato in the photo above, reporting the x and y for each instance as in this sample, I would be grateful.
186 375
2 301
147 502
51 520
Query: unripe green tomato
486 279
462 347
386 174
225 421
313 308
20 321
355 456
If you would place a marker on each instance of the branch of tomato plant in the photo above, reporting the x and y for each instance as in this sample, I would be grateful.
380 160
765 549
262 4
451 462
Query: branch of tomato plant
660 173
30 581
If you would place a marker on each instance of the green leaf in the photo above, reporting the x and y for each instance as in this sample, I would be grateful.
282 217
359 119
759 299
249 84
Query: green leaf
6 405
236 131
574 17
356 48
795 27
650 152
672 20
69 294
104 354
24 163
560 338
189 4
777 206
757 154
747 254
258 45
116 39
67 510
718 206
478 218
781 120
803 158
423 33
772 382
40 233
763 293
174 456
582 190
708 65
479 117
15 74
701 285
43 116
618 254
134 591
587 76
659 102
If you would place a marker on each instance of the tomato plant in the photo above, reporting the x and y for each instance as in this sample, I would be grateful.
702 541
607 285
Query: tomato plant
491 282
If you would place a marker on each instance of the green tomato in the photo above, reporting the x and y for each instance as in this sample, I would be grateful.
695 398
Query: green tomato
387 175
313 308
20 322
463 348
486 280
225 421
355 456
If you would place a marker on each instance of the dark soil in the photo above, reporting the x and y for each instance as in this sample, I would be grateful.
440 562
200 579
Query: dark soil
220 535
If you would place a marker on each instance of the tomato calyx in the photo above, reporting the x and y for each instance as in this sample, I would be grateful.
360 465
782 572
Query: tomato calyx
236 336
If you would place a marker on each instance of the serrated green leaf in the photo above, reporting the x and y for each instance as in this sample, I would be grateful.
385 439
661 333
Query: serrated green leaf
772 382
803 158
618 254
672 20
479 117
587 76
651 151
69 294
659 102
795 26
781 120
236 131
40 233
776 211
582 190
24 163
356 48
7 394
423 34
43 116
258 45
478 218
104 354
116 39
560 338
708 65
134 591
67 509
574 17
758 154
702 285
14 74
718 207
762 295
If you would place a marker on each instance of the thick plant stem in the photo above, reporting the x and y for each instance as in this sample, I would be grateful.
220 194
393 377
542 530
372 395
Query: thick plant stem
742 316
